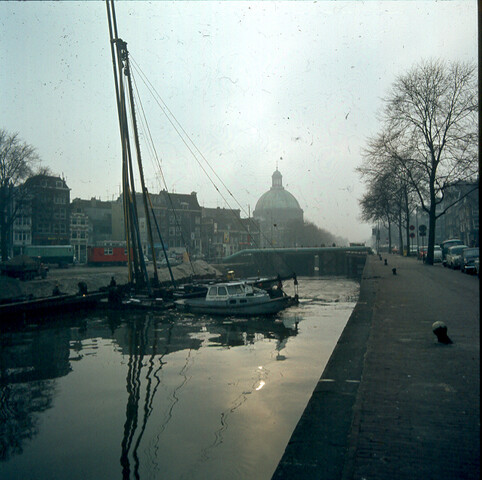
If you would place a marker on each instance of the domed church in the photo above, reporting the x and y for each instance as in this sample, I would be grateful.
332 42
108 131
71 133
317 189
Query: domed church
279 215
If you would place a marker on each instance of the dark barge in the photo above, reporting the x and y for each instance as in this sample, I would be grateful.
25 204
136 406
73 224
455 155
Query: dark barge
34 307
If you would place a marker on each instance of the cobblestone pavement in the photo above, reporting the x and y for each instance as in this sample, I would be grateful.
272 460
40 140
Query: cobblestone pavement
393 402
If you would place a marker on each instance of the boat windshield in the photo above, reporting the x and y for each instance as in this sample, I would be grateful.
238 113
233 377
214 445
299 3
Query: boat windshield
235 289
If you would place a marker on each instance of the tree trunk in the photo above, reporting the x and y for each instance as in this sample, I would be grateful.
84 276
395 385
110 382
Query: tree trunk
407 219
3 224
389 237
431 222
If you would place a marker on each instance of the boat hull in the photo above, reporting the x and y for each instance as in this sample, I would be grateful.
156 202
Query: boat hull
54 304
265 307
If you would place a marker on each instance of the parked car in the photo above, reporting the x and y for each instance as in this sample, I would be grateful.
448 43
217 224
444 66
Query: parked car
467 263
437 254
449 243
422 253
454 256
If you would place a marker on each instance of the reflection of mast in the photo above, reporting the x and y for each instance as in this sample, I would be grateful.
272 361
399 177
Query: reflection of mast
133 389
137 346
174 401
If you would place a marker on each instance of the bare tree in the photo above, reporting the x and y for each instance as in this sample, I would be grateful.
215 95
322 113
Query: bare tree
431 132
390 190
17 160
378 203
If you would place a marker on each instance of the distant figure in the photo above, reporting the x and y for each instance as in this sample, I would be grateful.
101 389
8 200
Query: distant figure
440 330
394 271
386 262
56 290
82 288
113 283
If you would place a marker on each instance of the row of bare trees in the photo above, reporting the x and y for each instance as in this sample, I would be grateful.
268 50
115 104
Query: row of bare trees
17 160
428 142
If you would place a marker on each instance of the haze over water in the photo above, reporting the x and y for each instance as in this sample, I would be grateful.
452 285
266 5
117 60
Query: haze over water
124 395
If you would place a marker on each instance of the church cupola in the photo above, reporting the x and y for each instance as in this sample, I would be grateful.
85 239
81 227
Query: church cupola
277 179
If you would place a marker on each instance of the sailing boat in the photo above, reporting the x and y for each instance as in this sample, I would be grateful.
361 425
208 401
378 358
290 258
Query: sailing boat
137 271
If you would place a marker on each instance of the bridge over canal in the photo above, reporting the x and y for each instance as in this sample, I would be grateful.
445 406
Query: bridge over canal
304 261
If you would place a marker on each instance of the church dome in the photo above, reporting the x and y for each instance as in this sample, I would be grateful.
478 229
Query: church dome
277 198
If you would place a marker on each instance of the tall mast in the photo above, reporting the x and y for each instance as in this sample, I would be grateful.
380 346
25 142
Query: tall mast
136 264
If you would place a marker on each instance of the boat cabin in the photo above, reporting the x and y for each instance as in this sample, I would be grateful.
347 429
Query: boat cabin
232 291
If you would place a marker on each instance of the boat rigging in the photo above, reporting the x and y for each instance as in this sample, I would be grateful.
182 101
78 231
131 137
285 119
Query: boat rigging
128 127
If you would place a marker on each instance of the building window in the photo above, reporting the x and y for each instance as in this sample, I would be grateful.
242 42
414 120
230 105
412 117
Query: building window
44 227
108 251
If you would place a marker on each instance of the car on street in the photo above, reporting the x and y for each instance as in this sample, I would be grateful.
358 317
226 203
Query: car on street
467 263
437 254
449 243
454 256
413 251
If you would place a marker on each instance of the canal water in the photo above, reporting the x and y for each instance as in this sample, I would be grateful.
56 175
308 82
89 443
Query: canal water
116 395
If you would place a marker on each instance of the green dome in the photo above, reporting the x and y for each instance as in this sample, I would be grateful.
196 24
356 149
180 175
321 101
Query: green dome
277 198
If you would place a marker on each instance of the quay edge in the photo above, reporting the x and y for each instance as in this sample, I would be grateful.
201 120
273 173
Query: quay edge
392 401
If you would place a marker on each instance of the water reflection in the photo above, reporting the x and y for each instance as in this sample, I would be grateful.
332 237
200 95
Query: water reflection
29 361
149 395
32 358
146 338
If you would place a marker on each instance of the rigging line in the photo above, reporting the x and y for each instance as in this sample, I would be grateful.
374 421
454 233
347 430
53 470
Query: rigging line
204 170
141 170
164 107
162 242
177 222
188 147
149 138
147 130
152 89
140 254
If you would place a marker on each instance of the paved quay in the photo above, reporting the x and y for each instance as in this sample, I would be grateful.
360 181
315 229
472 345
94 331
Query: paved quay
95 278
393 402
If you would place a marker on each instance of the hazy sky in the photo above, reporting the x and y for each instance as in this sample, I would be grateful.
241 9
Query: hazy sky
254 84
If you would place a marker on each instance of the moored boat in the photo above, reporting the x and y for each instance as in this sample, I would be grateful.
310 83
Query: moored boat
57 303
237 298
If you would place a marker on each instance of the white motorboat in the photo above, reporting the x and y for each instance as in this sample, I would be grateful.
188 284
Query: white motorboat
237 298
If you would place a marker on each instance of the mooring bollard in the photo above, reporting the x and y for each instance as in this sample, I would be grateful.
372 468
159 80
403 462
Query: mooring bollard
440 330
